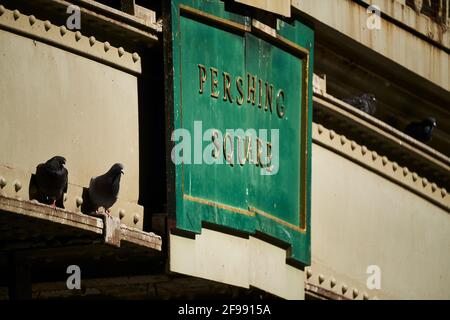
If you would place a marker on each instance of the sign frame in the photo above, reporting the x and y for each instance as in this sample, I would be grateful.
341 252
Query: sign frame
215 15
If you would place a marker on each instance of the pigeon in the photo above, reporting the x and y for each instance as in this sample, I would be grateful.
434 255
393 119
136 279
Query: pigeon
421 130
51 181
365 102
103 190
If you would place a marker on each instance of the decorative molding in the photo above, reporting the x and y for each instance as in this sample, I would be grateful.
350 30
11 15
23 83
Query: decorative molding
61 37
331 103
381 165
329 287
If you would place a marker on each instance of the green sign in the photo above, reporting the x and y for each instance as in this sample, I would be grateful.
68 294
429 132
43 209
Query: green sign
241 123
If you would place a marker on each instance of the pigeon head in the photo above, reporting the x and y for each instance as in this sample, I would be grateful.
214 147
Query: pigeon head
430 121
370 97
116 169
429 124
57 161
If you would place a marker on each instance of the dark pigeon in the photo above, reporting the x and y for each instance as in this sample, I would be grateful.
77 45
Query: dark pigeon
422 130
51 181
104 189
365 103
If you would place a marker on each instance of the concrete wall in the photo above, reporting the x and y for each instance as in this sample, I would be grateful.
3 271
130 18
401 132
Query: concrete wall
56 102
282 7
391 40
237 261
366 213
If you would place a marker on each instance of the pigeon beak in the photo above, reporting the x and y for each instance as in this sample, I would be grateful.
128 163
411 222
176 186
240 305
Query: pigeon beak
122 172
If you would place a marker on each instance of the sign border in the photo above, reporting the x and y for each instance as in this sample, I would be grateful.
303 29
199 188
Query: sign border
294 37
300 52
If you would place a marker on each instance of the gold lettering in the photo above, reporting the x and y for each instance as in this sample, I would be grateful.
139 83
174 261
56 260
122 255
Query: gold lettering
239 85
214 82
259 152
269 97
269 154
280 104
229 157
248 149
265 159
260 93
216 151
202 76
241 160
251 89
254 91
268 164
226 87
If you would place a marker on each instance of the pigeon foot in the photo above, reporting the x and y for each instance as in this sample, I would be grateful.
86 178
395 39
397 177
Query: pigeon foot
103 213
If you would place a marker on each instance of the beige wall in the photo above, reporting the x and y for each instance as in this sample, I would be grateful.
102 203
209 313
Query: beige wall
237 261
282 7
421 23
54 102
360 218
391 41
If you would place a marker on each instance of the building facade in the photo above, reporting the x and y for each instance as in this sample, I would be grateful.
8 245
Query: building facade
267 146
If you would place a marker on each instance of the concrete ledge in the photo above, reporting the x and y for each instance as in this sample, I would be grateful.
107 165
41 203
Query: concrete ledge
39 211
141 238
61 222
334 113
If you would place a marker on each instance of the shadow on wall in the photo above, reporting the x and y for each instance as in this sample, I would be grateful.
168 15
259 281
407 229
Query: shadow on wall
152 135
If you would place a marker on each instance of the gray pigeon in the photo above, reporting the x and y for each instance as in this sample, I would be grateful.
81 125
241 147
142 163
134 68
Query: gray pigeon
421 130
365 103
103 190
51 181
